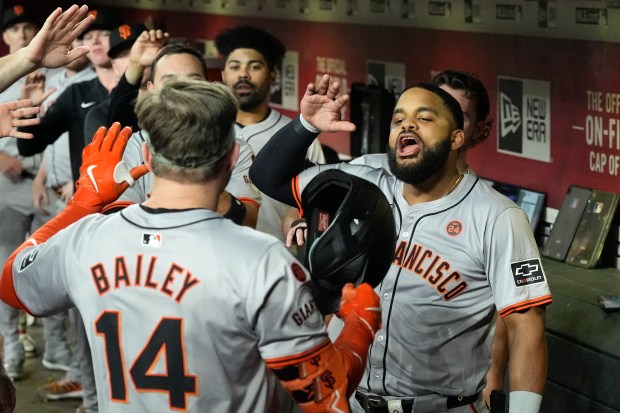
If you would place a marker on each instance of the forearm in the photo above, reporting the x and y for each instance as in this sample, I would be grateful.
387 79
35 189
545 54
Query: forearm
71 214
528 355
122 103
41 174
499 360
280 160
133 73
13 67
528 359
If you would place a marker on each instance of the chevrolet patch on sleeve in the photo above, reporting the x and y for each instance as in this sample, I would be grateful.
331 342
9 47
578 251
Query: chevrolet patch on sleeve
527 272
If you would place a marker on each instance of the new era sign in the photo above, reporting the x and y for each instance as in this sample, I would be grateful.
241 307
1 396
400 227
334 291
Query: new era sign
524 127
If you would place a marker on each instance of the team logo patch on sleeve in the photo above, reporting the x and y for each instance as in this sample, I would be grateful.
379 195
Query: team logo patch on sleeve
151 239
298 272
305 312
28 259
527 272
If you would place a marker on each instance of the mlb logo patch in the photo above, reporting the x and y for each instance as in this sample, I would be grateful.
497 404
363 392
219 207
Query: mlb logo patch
527 272
151 239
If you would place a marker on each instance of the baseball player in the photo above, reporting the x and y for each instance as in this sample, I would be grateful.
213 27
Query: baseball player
17 214
241 200
251 55
473 98
69 110
51 189
163 337
464 252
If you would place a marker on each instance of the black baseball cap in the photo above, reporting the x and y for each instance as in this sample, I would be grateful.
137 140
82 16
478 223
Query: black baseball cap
16 14
105 19
123 37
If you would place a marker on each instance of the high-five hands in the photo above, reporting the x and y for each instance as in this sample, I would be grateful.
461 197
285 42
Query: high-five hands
103 174
321 107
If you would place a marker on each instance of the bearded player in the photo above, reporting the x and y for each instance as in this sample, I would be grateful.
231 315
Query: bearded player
183 309
464 253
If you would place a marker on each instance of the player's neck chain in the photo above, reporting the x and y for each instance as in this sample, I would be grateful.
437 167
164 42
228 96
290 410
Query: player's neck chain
456 183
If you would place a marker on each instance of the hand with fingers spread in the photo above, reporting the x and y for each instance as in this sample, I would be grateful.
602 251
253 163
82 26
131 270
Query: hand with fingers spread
51 47
13 115
34 88
103 174
321 107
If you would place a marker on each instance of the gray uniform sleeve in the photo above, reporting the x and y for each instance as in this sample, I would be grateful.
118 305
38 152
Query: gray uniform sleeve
40 273
239 184
513 263
281 307
133 156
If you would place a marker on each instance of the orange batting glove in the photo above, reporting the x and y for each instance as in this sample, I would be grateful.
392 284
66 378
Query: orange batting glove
363 302
103 174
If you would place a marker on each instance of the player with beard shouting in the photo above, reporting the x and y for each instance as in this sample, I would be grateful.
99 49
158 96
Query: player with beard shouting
464 252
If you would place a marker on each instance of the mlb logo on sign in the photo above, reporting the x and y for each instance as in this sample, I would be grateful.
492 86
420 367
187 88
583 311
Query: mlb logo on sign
524 109
151 239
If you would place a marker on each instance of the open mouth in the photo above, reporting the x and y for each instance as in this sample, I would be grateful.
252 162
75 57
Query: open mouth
243 88
408 144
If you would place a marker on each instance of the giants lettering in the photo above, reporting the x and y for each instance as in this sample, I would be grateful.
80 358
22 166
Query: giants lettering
122 277
430 266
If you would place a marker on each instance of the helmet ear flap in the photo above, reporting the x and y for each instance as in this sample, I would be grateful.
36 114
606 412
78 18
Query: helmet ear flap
351 235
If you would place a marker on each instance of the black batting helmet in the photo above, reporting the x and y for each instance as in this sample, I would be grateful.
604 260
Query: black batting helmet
351 235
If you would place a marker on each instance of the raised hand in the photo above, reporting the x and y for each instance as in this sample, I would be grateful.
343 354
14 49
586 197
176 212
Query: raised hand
103 174
34 88
51 47
321 107
12 116
146 47
143 52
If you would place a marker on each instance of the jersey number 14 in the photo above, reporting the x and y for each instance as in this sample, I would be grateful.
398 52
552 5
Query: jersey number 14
166 337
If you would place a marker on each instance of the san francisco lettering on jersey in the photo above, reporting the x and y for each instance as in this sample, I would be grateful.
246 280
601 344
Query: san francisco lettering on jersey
122 277
430 266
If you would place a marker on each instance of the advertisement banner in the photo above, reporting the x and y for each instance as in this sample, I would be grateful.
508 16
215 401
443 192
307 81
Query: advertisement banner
524 127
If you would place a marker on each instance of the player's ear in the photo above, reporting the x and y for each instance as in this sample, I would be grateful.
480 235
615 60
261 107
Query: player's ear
457 139
146 155
233 156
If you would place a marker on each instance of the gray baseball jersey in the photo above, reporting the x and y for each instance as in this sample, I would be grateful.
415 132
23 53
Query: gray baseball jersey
239 184
171 326
458 260
272 212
